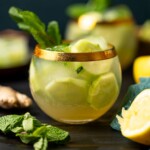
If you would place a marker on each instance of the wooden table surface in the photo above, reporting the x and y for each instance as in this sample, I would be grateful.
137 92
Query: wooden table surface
92 136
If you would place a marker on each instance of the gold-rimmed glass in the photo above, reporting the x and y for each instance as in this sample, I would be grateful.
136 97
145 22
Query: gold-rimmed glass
75 88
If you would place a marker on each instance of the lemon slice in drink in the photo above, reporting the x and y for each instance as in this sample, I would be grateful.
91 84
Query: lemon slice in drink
135 122
103 91
68 91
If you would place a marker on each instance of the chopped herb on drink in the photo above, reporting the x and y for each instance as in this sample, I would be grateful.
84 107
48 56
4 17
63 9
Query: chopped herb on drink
79 69
31 131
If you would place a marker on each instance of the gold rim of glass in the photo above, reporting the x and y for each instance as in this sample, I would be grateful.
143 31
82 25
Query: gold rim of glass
63 56
116 22
113 22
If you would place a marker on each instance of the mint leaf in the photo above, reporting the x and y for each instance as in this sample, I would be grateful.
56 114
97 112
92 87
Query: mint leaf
27 138
60 48
41 144
32 131
40 131
7 123
17 129
53 134
132 92
53 30
30 122
30 22
56 135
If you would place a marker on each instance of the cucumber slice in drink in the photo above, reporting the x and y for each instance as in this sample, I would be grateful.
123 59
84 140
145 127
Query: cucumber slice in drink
98 40
103 91
89 44
68 91
86 45
98 67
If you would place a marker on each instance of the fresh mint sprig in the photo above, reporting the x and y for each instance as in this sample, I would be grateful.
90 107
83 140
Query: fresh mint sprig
31 131
75 10
30 22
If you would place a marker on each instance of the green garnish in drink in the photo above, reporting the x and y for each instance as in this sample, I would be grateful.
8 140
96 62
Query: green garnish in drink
30 22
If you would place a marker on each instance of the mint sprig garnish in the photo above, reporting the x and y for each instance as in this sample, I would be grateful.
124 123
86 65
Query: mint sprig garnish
31 131
53 29
28 21
75 10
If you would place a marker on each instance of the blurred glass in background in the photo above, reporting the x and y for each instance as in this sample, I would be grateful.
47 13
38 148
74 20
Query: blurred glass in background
56 10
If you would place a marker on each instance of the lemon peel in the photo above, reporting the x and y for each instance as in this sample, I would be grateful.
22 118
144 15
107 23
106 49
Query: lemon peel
135 122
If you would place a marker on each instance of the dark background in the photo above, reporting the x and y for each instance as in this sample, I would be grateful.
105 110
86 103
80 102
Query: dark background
49 10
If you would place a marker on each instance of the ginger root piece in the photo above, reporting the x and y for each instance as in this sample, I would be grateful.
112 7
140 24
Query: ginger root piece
10 98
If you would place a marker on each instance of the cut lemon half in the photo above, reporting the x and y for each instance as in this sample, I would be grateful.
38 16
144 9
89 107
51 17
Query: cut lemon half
135 122
103 92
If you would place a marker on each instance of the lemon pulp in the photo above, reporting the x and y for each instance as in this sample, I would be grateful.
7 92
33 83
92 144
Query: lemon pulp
135 122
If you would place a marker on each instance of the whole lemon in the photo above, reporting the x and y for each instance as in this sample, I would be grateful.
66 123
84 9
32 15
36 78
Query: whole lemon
141 67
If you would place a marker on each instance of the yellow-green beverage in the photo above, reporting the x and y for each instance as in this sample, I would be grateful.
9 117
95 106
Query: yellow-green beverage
77 86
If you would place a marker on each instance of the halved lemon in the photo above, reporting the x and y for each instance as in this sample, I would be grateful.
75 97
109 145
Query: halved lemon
135 122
